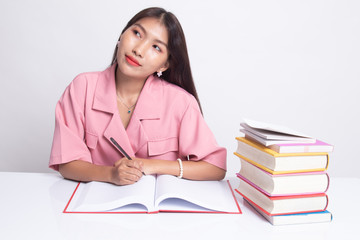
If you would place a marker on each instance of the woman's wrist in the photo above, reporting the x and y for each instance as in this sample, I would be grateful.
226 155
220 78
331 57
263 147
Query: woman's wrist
149 166
157 166
102 173
111 174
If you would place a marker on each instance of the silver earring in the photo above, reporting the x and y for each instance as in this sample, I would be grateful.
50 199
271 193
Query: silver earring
159 74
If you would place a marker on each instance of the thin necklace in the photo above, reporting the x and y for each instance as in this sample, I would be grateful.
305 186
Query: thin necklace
129 108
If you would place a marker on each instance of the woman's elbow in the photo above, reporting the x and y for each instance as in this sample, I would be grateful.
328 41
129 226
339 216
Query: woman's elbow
62 170
220 175
217 173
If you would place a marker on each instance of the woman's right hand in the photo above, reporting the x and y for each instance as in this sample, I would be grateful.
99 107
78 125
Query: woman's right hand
125 172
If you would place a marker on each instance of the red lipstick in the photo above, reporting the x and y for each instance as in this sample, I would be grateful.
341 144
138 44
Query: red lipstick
132 61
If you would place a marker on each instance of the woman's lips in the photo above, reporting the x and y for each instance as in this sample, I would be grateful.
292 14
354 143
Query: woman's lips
132 61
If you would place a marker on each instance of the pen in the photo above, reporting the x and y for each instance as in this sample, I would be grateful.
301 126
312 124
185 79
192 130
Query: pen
122 150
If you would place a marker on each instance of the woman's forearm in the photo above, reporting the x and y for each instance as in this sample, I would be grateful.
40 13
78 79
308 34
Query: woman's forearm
194 170
123 172
85 172
202 170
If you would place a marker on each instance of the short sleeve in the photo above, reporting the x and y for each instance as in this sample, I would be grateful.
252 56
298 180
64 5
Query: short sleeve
68 140
196 139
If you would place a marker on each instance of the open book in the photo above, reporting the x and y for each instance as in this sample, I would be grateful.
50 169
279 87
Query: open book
269 134
153 194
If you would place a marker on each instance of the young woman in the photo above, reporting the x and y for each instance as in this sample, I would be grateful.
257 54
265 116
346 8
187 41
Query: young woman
145 102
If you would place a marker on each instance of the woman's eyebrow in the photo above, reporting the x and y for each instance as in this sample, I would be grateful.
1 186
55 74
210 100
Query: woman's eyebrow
144 30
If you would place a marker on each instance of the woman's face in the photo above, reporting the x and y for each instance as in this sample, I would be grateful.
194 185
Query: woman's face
142 49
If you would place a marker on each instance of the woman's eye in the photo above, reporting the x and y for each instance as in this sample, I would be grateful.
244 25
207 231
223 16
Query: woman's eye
157 48
137 33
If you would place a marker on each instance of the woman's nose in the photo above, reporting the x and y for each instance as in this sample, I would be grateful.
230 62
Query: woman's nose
139 49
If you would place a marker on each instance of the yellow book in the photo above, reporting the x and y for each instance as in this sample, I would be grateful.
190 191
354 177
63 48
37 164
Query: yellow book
280 163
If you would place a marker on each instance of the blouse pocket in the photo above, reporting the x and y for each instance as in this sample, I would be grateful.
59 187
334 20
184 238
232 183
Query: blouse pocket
161 147
91 140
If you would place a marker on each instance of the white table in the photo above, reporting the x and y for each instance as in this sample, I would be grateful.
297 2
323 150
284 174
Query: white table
31 206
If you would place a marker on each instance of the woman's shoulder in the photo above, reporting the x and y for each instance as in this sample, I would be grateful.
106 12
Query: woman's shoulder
85 78
178 96
83 84
88 80
175 91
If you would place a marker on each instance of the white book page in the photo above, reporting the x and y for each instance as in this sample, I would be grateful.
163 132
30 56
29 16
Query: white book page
273 128
102 197
272 139
174 194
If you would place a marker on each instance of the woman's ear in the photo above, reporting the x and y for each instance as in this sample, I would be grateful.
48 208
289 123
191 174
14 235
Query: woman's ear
118 42
165 67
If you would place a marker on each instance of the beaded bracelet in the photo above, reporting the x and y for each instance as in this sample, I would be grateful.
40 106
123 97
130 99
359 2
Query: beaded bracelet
181 168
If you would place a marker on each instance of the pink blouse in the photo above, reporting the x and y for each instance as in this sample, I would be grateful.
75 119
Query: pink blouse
166 124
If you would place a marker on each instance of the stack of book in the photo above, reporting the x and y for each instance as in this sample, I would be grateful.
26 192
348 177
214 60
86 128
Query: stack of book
283 174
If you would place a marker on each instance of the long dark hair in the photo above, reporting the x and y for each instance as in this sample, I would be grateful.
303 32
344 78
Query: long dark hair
179 71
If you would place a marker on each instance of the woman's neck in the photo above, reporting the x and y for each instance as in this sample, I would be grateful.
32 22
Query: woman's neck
128 87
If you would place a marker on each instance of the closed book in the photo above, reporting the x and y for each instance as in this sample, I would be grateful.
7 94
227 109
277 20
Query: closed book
299 218
277 163
282 204
284 184
318 146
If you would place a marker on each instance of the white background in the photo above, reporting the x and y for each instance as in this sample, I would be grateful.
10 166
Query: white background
295 63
